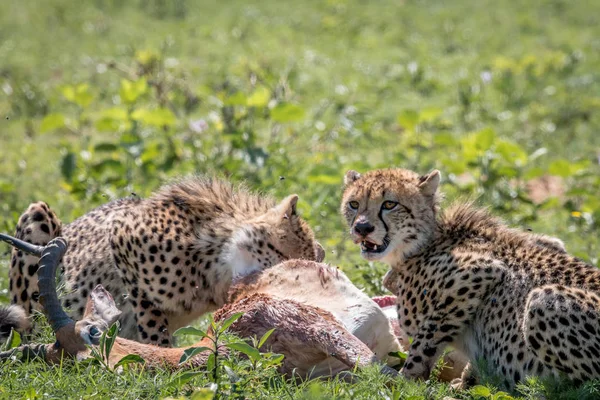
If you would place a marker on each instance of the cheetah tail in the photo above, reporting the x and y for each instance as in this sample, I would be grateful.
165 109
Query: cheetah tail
12 317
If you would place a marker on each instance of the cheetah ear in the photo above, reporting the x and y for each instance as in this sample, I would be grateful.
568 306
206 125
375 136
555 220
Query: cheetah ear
430 182
287 207
351 176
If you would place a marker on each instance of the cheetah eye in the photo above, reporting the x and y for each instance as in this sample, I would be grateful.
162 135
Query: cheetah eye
389 205
353 205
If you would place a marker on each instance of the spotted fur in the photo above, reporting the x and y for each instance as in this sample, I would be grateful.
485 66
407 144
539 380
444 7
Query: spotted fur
167 259
514 299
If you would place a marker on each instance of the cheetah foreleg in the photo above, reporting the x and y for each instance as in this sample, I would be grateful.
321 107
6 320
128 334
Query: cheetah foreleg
453 311
152 324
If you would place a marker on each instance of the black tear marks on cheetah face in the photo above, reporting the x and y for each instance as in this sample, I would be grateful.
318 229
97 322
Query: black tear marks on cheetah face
515 299
390 212
170 258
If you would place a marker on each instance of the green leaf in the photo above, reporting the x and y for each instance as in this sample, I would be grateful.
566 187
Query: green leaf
146 57
31 394
113 119
485 138
68 165
430 114
561 168
245 348
202 394
236 99
454 166
109 338
184 378
535 172
52 122
107 165
481 391
129 359
265 337
106 147
566 169
115 113
132 90
398 354
444 139
259 98
191 352
511 152
210 362
159 117
408 119
502 396
227 323
14 340
276 358
286 112
79 94
152 152
470 149
188 330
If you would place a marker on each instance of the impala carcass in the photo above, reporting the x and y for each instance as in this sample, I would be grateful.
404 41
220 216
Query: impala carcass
306 335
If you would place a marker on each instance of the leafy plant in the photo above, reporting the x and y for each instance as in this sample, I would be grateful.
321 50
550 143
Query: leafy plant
101 353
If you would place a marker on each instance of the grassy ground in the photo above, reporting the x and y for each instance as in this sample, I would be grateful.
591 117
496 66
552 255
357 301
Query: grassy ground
102 98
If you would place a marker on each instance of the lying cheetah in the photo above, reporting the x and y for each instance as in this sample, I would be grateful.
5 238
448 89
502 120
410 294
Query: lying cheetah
173 254
463 278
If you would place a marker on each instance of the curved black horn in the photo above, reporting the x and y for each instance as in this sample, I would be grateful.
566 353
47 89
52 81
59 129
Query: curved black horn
50 258
21 245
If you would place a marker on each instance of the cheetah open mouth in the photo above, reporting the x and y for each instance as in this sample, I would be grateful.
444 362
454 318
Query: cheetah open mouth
372 248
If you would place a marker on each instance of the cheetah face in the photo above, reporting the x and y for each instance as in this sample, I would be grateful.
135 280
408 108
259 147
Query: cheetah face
290 234
389 211
278 235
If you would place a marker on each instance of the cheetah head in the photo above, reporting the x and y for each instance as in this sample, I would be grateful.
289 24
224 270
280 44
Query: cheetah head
290 234
278 235
390 212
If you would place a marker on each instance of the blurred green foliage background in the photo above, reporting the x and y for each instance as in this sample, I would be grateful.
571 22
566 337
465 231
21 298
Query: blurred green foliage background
102 98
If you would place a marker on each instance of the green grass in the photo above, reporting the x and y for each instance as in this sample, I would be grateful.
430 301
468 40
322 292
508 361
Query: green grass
494 94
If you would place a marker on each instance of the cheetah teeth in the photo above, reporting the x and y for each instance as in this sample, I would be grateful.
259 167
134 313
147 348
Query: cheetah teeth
369 246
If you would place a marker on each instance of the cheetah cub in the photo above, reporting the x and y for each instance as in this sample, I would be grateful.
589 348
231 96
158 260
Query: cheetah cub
516 300
173 255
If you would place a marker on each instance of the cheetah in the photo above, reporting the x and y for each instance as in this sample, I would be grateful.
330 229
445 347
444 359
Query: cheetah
12 317
167 259
516 300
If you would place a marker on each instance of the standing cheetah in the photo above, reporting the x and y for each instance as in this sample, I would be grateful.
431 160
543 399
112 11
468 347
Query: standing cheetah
516 300
174 254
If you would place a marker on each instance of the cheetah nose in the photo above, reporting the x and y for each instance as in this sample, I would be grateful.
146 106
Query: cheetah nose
363 228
